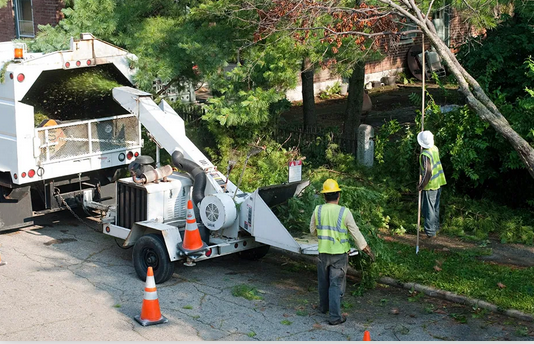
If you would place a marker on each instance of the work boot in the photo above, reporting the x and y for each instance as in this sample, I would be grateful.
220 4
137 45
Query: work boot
339 321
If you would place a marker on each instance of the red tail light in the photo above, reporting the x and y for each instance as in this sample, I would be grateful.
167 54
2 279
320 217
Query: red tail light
78 63
129 155
209 252
20 77
31 173
23 174
136 154
15 176
67 64
88 62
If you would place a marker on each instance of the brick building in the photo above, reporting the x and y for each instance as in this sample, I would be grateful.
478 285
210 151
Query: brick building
451 29
20 18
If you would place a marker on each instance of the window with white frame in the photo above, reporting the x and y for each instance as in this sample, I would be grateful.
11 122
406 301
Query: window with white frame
24 18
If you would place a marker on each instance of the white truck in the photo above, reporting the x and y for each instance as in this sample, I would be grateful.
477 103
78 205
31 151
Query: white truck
62 162
79 145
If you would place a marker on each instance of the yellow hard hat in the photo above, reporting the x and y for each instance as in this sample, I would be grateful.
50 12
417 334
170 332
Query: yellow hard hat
330 185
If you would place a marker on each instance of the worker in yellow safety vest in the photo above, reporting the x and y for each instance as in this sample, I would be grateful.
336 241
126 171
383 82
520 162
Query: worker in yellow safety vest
332 224
432 179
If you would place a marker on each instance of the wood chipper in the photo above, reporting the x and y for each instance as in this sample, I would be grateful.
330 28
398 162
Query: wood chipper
61 158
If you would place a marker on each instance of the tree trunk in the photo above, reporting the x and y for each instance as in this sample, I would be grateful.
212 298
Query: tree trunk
353 111
308 97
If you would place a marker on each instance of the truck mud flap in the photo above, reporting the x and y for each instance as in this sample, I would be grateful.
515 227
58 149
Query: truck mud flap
15 208
265 225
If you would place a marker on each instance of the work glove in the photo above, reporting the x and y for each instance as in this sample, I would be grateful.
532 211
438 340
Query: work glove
370 253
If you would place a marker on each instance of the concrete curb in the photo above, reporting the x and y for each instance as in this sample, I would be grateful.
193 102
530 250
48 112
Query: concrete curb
430 291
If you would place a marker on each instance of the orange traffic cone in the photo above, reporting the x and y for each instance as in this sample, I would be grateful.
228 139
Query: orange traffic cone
366 336
192 242
150 313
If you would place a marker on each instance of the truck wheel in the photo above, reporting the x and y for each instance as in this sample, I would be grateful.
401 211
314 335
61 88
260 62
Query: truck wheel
255 253
150 250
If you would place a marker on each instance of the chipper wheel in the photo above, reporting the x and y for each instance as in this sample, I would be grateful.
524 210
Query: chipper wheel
150 250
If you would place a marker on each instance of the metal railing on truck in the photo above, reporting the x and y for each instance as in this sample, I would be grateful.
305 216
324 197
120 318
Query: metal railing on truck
85 138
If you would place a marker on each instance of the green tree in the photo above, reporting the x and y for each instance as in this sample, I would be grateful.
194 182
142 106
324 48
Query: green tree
497 67
480 14
475 95
324 30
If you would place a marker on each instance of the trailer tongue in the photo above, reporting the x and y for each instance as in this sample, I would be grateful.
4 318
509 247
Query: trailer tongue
229 219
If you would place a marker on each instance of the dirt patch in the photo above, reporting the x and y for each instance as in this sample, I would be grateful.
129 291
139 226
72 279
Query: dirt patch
515 255
389 102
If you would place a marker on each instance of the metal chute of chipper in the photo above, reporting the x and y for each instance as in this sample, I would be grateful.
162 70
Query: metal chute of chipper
258 219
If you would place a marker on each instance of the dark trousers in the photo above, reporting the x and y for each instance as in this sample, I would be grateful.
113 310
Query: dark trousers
430 199
332 277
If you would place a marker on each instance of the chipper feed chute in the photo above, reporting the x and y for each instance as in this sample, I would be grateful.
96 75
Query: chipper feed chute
265 226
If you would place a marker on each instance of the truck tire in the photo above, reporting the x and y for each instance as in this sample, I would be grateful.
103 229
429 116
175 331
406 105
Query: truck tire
255 253
150 250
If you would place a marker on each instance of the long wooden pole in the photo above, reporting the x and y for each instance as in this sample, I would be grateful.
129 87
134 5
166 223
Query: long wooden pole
423 72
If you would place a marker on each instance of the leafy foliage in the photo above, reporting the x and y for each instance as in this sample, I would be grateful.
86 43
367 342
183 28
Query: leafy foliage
75 94
465 217
497 59
398 145
331 91
246 291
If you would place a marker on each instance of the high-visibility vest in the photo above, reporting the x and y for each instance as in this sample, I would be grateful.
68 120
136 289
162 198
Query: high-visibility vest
331 230
438 176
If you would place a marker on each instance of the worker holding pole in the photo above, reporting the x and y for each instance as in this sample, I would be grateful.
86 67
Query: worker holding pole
431 181
332 223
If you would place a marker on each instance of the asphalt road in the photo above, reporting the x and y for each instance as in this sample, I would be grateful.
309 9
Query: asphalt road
63 281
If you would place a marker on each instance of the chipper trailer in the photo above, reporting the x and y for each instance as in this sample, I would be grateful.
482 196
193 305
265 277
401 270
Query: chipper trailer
65 159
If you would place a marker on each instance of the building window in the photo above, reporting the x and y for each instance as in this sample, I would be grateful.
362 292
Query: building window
408 25
24 18
441 20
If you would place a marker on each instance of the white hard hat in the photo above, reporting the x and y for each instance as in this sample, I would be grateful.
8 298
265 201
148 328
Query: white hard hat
425 139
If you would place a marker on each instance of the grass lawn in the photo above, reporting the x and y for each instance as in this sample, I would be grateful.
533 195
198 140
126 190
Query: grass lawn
462 273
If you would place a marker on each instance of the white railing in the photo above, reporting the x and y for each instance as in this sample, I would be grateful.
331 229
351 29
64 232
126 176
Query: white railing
72 140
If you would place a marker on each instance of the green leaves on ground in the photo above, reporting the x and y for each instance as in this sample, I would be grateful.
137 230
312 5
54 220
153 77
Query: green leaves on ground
246 291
